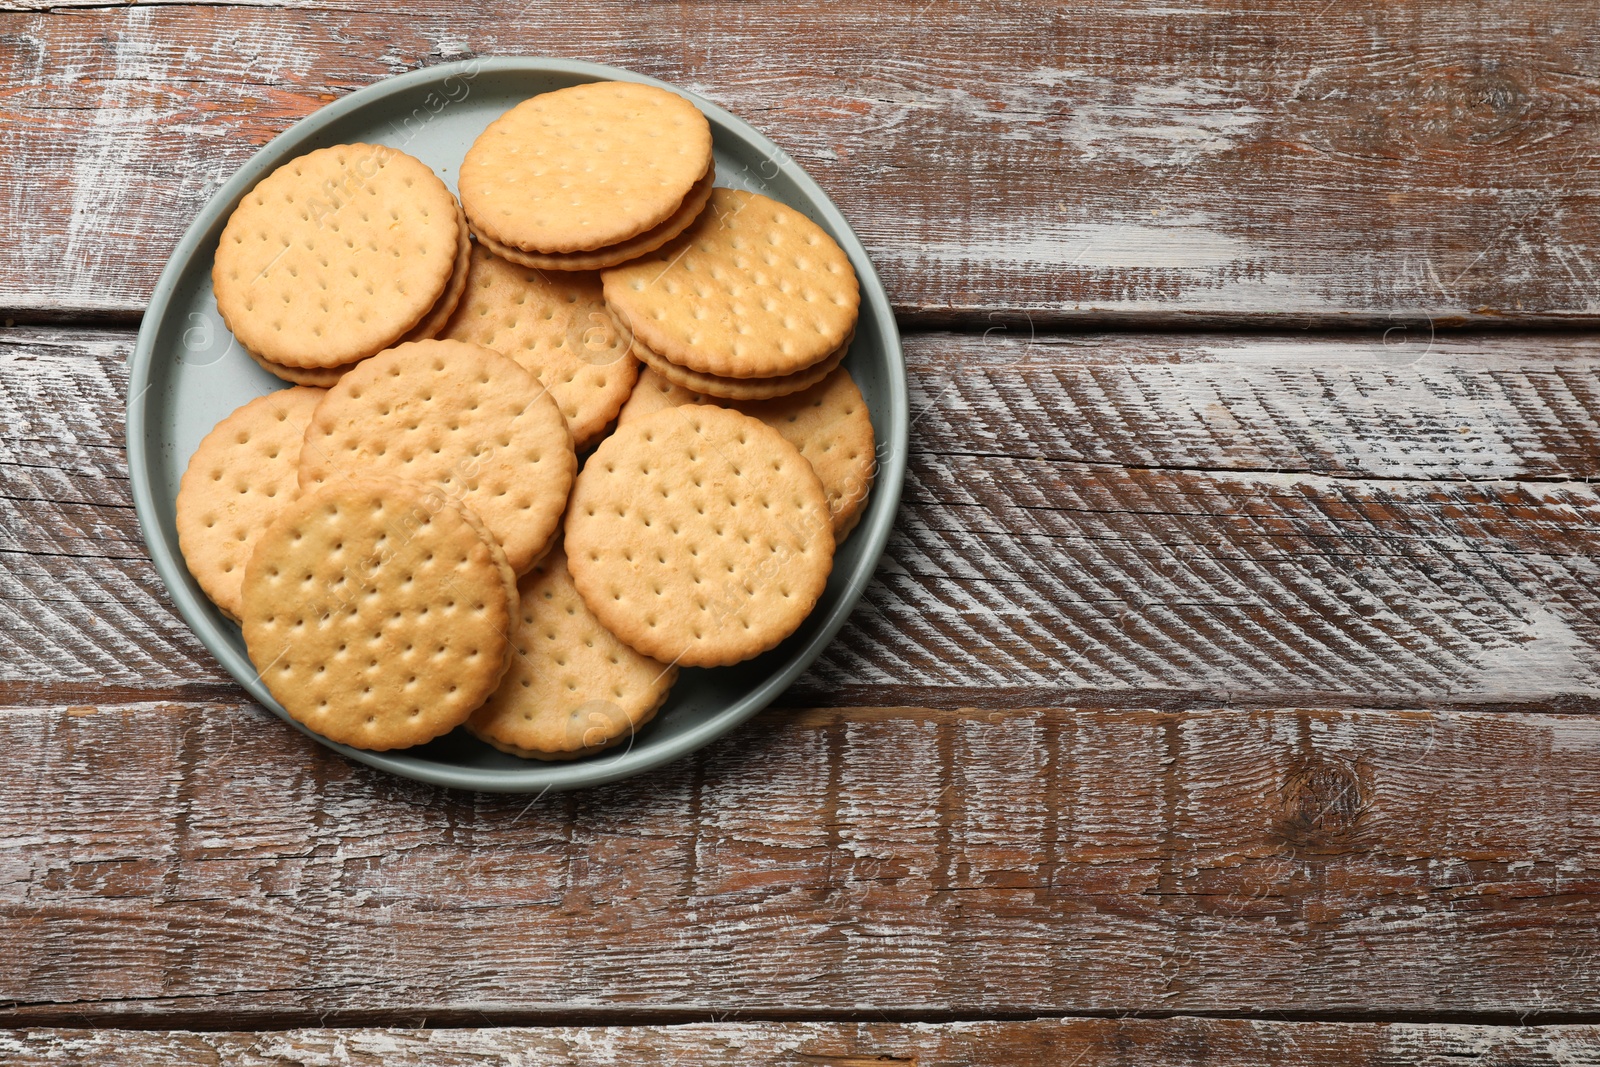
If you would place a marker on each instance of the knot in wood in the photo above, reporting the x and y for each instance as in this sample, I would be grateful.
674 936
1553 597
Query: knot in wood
1424 110
1321 804
1460 106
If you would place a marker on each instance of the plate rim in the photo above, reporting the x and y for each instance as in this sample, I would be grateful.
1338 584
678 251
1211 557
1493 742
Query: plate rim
537 776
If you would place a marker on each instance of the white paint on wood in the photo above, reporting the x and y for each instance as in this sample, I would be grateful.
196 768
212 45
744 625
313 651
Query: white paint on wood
1212 159
121 177
1188 242
1399 403
1155 124
1575 735
1544 655
103 185
1178 1042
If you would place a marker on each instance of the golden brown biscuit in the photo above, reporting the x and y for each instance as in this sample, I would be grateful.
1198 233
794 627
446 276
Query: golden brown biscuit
445 306
335 255
653 393
573 689
831 426
556 326
617 254
317 377
239 479
584 167
459 416
376 612
829 423
753 289
699 536
741 388
429 327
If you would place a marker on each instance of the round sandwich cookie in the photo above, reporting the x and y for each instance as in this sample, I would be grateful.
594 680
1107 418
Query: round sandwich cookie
621 252
317 377
753 289
699 536
376 612
829 423
741 388
458 416
584 167
238 480
572 689
429 327
556 326
336 255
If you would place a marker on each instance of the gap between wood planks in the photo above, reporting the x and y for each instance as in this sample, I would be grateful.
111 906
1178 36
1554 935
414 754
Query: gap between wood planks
874 701
19 1015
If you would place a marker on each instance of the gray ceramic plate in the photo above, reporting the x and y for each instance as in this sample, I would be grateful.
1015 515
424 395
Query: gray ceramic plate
188 373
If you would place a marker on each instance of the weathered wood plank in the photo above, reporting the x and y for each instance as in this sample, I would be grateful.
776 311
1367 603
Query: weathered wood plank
197 865
1136 160
1392 404
1053 539
1178 1042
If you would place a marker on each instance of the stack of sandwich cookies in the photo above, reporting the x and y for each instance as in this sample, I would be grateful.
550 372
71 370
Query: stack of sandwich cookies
555 324
367 528
434 321
754 301
431 325
336 256
623 252
588 177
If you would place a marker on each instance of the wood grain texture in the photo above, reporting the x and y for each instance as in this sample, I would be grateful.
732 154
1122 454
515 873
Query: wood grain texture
1129 161
1178 1042
204 866
1246 519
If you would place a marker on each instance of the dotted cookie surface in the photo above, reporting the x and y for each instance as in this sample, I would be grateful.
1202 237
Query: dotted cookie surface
458 416
335 255
623 251
242 475
831 426
429 327
377 613
753 289
741 388
829 423
699 536
572 689
585 167
556 326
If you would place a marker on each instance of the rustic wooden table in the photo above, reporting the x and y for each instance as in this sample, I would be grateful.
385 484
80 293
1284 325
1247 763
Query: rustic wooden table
1226 694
